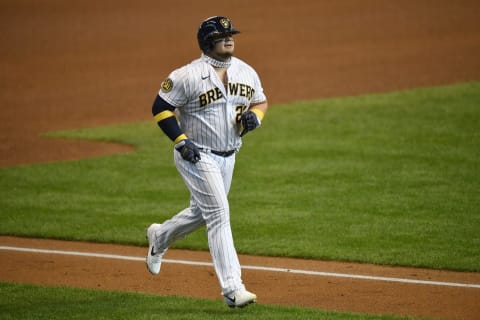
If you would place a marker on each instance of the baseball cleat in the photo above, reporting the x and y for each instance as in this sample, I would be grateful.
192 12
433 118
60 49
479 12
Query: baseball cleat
240 298
154 259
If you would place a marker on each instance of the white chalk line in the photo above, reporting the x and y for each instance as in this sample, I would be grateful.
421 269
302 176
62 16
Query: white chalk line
247 267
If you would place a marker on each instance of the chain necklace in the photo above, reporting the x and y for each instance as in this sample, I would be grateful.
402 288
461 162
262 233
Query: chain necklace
216 63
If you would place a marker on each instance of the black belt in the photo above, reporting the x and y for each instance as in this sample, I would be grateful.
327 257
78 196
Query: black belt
223 153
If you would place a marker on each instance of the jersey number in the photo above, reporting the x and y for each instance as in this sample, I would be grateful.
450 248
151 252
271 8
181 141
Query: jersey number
239 109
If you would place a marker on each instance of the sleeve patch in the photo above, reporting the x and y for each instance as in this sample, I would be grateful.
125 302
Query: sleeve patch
167 85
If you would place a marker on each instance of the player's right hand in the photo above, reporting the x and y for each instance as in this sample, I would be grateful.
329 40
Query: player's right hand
188 150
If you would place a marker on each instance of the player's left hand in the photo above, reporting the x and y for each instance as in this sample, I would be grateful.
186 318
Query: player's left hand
249 121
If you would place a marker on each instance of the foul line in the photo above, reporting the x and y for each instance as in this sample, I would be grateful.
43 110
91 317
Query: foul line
247 267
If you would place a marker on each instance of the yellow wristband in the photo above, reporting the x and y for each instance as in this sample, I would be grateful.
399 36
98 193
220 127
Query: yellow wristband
258 112
180 138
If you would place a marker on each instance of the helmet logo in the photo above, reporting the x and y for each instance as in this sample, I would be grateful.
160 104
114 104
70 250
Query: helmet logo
225 23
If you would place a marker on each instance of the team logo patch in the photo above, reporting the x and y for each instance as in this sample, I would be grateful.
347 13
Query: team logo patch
167 85
225 23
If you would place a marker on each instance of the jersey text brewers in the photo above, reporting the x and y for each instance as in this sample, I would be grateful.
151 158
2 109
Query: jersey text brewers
209 111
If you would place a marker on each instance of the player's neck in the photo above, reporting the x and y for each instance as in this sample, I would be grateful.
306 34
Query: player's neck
216 63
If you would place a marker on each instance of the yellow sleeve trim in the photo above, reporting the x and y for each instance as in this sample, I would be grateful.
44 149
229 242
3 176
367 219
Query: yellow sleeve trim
180 138
163 115
258 112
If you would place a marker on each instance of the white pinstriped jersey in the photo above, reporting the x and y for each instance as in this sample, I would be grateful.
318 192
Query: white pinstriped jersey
209 111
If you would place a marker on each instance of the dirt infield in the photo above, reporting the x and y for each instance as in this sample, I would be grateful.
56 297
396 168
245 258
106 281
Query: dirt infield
439 298
68 65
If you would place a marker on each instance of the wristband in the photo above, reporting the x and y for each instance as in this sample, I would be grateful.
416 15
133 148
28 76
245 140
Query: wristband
259 113
180 138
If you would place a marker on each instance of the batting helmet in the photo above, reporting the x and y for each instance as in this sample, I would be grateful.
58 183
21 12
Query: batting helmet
211 28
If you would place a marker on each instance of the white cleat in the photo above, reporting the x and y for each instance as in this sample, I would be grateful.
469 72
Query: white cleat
154 259
240 298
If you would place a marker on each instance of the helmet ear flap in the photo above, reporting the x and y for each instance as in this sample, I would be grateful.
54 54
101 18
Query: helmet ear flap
205 37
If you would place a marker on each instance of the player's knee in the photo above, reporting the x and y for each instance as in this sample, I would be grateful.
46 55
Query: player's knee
217 218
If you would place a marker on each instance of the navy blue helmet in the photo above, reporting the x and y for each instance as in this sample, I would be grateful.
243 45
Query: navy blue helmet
212 29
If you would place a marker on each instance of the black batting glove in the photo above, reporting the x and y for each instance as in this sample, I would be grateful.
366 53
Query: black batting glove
188 150
249 122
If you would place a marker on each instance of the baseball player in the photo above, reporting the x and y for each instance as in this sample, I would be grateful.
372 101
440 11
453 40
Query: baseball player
205 107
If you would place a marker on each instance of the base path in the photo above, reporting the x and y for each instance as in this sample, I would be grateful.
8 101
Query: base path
324 285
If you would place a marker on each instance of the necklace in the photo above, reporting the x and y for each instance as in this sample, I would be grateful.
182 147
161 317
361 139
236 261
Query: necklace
216 63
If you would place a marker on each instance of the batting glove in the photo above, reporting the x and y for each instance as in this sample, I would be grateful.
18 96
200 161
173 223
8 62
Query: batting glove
188 150
249 121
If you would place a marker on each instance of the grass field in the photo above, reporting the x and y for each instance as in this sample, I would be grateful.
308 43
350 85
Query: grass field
34 302
388 179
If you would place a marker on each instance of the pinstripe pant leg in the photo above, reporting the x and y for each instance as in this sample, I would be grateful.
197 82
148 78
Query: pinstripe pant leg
209 182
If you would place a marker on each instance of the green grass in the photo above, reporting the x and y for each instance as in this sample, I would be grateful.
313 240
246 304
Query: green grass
35 302
388 179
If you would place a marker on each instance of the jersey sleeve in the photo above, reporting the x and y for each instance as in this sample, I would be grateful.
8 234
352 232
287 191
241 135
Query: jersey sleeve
174 89
259 95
